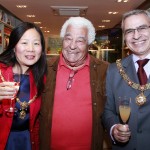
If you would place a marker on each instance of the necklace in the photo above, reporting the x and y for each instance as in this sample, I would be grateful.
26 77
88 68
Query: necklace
24 105
141 98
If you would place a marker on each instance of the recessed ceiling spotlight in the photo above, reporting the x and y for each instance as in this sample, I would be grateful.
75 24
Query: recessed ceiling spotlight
46 31
31 16
102 26
105 20
21 6
113 13
121 1
43 27
37 22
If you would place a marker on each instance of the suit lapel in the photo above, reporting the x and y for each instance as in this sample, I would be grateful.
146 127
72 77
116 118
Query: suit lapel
147 92
129 69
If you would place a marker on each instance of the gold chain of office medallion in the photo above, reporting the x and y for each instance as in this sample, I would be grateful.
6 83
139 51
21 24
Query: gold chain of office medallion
141 98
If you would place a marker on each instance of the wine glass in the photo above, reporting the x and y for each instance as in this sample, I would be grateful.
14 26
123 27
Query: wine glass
15 84
124 108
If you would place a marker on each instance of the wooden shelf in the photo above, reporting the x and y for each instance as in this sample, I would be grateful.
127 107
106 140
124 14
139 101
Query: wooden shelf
5 31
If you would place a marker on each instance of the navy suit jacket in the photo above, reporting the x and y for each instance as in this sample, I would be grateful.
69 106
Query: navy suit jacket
139 121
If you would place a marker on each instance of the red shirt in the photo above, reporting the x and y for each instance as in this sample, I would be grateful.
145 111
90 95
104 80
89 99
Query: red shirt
72 112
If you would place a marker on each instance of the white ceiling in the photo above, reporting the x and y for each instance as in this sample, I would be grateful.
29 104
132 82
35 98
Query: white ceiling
96 12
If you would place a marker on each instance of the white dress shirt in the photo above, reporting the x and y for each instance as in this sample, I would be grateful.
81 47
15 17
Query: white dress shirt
146 67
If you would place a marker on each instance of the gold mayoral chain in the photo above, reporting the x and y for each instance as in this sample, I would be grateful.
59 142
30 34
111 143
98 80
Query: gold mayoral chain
141 98
24 105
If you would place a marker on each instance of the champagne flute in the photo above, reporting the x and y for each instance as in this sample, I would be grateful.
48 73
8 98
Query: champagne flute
124 109
15 83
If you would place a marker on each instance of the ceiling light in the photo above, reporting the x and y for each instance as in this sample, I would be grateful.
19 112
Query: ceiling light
113 13
21 6
43 27
102 26
46 31
69 10
37 22
105 20
121 1
31 16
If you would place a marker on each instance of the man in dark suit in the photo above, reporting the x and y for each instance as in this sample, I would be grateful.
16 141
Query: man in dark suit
123 79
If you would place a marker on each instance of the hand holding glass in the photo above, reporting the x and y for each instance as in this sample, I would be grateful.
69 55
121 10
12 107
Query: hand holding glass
12 85
124 108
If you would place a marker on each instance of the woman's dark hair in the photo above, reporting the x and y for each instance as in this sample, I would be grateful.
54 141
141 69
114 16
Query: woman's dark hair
8 57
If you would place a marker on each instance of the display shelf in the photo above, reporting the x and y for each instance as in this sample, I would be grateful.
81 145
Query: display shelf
7 22
5 31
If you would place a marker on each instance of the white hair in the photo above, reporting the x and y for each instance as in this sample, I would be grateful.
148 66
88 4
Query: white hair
80 22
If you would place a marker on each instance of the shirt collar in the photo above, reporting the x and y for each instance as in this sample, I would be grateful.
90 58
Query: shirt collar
136 58
62 62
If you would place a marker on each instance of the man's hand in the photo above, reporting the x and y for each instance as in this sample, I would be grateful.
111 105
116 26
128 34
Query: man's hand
121 133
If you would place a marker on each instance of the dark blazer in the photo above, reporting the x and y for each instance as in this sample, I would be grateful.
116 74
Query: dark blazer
97 80
139 121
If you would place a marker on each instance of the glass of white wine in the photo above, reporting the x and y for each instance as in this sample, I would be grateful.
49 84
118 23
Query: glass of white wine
12 84
124 108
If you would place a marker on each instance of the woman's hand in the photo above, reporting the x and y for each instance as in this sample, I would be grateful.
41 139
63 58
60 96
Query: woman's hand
7 90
